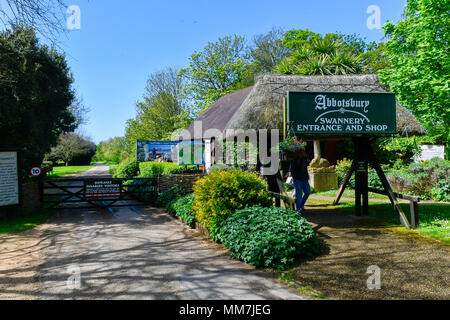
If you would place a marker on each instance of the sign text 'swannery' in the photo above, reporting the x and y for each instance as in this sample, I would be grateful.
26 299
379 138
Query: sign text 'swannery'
337 113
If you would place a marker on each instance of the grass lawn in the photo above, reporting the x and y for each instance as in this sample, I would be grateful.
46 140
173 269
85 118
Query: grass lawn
62 171
348 193
434 219
21 223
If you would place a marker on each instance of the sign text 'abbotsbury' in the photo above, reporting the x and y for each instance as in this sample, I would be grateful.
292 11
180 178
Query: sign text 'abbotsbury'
342 112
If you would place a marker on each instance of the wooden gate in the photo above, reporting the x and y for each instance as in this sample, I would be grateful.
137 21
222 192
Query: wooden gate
88 193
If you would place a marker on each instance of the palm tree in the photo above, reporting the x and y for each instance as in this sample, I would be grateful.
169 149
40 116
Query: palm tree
324 56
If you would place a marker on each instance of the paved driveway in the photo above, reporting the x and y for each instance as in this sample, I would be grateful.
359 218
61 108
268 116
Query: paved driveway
130 253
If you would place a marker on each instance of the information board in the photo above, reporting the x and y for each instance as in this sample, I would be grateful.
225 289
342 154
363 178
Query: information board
9 179
102 188
430 151
341 113
156 150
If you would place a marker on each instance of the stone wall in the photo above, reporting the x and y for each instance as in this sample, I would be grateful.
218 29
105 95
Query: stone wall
184 181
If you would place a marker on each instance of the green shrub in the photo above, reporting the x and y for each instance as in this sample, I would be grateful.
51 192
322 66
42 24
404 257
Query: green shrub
164 198
442 191
268 237
183 208
220 193
218 167
128 168
112 169
47 166
374 180
427 179
342 167
153 169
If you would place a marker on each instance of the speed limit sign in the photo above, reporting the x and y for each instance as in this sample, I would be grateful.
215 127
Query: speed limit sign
36 171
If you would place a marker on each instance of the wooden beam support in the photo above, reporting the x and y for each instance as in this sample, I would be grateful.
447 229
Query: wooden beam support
376 165
344 184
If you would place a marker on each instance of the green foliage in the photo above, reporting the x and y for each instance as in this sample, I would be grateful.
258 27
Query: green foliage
164 198
220 193
268 237
47 166
113 169
313 54
19 221
216 70
403 148
417 48
72 149
240 155
162 111
153 169
112 150
267 51
219 167
442 191
66 170
427 180
37 102
183 208
128 168
343 166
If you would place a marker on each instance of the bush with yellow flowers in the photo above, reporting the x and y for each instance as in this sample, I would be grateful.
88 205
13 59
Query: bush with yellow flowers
404 148
221 193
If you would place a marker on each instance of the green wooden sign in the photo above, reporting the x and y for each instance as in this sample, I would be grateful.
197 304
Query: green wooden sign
341 113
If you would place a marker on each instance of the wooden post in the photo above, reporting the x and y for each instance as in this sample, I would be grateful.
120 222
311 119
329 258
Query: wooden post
284 119
361 176
414 213
344 184
41 189
387 188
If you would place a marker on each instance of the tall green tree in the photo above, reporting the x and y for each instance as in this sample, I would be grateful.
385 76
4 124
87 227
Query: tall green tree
36 97
216 70
267 50
162 110
72 149
418 49
114 150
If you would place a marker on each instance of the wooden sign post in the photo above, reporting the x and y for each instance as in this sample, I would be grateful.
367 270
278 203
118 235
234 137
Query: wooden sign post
361 116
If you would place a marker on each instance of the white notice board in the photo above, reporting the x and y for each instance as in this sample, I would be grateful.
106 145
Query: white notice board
430 151
9 179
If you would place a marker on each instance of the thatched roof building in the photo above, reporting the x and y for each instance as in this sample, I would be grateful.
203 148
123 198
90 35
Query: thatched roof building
261 106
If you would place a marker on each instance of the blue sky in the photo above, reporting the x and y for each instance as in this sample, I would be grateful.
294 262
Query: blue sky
121 42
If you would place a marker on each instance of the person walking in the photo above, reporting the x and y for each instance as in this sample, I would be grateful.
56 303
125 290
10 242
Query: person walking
298 170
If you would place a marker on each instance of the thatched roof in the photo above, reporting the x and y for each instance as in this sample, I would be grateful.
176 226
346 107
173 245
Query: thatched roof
220 112
262 104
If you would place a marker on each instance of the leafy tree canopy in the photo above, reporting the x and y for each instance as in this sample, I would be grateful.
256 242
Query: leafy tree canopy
113 150
311 53
72 149
36 98
418 49
162 110
216 70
